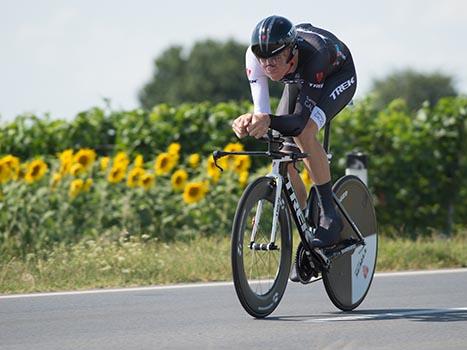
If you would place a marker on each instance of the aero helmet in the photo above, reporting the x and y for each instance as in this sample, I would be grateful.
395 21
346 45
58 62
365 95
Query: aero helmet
272 35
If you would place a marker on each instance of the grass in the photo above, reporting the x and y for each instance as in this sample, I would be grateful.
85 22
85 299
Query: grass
139 262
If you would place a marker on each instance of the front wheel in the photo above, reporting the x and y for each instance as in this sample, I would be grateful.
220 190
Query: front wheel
349 278
260 276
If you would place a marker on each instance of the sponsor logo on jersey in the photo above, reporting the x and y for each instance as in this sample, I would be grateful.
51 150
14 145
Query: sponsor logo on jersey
319 77
316 86
342 87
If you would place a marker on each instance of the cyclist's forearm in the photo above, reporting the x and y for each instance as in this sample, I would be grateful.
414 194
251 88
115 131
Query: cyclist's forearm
289 124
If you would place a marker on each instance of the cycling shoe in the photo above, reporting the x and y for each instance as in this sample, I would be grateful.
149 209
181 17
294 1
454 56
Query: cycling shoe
328 237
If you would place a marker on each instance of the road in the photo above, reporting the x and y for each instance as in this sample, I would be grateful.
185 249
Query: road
418 310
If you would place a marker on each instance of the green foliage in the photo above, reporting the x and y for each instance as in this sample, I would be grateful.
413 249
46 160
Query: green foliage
416 171
417 161
414 87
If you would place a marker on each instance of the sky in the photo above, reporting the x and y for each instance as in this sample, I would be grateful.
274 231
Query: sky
63 57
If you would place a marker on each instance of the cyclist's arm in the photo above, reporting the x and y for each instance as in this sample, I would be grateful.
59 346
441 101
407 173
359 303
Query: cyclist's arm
258 83
305 107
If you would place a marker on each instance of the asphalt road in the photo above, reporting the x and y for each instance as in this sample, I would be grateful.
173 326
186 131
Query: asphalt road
402 311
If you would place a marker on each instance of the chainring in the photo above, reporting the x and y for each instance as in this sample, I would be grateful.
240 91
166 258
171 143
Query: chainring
305 267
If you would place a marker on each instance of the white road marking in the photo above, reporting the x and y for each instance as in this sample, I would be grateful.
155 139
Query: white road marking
386 315
211 284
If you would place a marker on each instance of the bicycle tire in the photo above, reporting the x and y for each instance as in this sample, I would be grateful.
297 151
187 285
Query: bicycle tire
260 302
349 277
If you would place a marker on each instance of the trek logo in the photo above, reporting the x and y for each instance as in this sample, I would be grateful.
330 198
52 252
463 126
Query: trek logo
342 87
296 206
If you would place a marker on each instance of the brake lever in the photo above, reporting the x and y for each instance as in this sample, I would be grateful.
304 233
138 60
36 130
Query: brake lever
216 155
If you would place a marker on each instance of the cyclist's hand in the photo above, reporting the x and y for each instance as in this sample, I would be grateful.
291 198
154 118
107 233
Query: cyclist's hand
240 124
259 125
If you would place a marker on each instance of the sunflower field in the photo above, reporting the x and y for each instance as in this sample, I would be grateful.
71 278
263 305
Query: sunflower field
78 194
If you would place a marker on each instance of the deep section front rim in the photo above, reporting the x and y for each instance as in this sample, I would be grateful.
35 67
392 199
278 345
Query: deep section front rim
260 276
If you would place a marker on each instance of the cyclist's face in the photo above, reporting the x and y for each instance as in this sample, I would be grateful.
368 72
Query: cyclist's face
276 66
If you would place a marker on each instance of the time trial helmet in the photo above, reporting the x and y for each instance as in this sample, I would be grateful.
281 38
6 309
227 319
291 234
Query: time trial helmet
272 35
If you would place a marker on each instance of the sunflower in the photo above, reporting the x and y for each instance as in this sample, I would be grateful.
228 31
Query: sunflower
87 185
116 174
85 157
234 147
164 163
104 163
147 181
56 178
13 163
76 186
179 180
4 173
306 178
35 171
66 160
193 160
194 192
242 163
174 148
76 169
243 178
121 159
139 161
134 177
230 160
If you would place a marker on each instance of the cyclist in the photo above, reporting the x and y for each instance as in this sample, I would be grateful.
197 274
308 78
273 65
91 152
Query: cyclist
319 76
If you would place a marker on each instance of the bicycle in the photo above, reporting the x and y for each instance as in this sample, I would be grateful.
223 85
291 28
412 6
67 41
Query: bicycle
261 243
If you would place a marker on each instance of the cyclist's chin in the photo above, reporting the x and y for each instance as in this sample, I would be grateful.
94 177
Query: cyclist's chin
276 76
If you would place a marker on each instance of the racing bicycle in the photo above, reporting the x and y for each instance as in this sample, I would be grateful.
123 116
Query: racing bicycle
261 242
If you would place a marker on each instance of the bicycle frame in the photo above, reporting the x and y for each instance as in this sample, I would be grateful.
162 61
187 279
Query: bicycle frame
279 174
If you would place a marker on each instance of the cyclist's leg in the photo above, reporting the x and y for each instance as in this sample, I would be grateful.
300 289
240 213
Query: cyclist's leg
286 106
338 91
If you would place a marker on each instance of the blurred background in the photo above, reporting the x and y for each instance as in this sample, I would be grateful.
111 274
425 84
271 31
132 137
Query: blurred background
64 57
110 111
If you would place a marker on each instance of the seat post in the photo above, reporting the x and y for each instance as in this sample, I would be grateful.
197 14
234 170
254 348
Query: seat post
327 133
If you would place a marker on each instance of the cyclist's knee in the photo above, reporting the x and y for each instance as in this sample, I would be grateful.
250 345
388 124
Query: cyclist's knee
309 132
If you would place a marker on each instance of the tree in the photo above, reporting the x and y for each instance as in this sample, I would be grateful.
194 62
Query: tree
414 87
212 71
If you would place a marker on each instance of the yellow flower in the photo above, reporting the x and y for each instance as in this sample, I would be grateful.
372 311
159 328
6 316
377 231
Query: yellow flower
4 173
134 177
35 171
76 186
174 148
306 178
139 161
76 169
13 163
147 181
234 147
116 174
243 178
242 163
164 163
87 185
66 160
121 159
230 160
56 178
104 163
194 192
193 160
85 157
179 179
